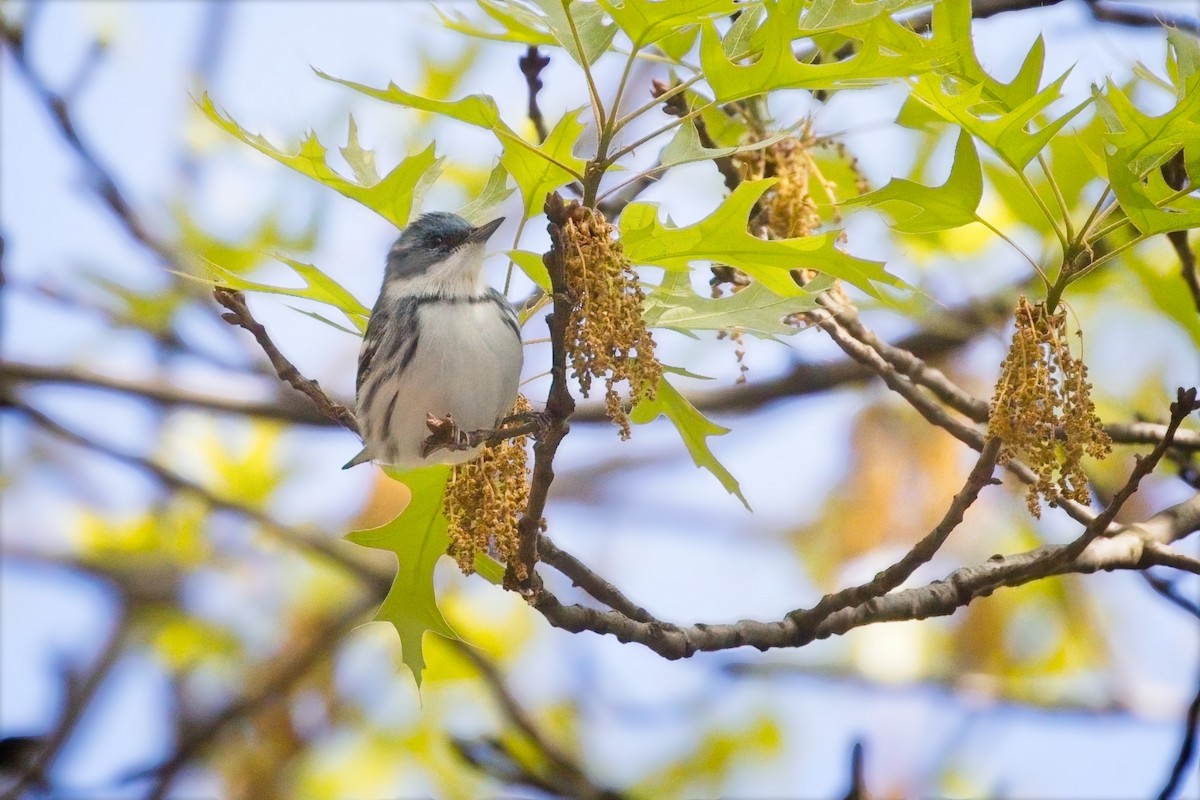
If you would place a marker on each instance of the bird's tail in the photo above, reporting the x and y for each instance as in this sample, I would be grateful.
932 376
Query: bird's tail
361 458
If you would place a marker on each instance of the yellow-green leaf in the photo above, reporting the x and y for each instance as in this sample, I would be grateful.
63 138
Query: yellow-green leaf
693 427
419 537
392 197
722 237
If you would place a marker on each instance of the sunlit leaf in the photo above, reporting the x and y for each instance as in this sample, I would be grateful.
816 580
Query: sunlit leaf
647 21
495 191
392 197
755 309
923 209
552 165
317 286
418 537
886 49
722 237
693 427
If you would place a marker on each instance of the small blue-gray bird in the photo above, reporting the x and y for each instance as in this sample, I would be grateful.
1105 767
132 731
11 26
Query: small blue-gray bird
440 341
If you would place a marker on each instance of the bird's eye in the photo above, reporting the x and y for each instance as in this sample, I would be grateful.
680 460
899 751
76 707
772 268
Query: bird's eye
437 241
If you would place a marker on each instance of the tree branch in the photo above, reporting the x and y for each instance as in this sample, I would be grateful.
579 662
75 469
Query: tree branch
289 668
316 545
284 408
79 696
559 406
239 314
1124 550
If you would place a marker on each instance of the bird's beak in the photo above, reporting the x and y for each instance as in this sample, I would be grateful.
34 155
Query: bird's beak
484 231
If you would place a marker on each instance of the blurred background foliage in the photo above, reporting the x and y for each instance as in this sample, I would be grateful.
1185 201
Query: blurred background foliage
182 619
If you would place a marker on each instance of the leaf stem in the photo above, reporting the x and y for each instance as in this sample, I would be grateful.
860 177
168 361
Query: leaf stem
594 94
1058 196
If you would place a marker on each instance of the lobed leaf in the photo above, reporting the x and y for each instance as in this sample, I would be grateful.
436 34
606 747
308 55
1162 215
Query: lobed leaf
755 309
392 197
317 286
693 427
647 21
886 49
722 237
419 537
924 209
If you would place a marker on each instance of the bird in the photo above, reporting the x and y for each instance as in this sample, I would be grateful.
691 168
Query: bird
439 341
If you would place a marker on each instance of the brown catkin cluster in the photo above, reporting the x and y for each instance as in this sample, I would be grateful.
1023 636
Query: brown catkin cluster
788 207
606 336
1043 395
484 498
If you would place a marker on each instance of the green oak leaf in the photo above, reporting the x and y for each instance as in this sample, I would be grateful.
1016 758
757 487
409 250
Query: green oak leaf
474 109
362 162
482 208
536 169
567 19
318 287
646 22
532 265
755 309
825 15
924 209
1138 144
392 197
539 171
685 146
518 24
419 537
693 427
1005 130
722 237
886 49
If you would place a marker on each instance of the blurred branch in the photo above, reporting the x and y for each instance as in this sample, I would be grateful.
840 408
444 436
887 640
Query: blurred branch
60 112
532 64
285 408
858 783
239 314
1187 749
1171 594
1127 549
286 669
567 777
80 692
328 549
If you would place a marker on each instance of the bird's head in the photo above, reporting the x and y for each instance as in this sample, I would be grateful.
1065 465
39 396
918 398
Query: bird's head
439 252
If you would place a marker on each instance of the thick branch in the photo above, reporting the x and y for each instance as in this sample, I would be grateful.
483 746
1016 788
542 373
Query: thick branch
1124 550
559 406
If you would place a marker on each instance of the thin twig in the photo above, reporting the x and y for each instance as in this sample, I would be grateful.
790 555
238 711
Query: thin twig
239 314
1187 749
79 696
567 776
286 671
892 577
1168 591
589 581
